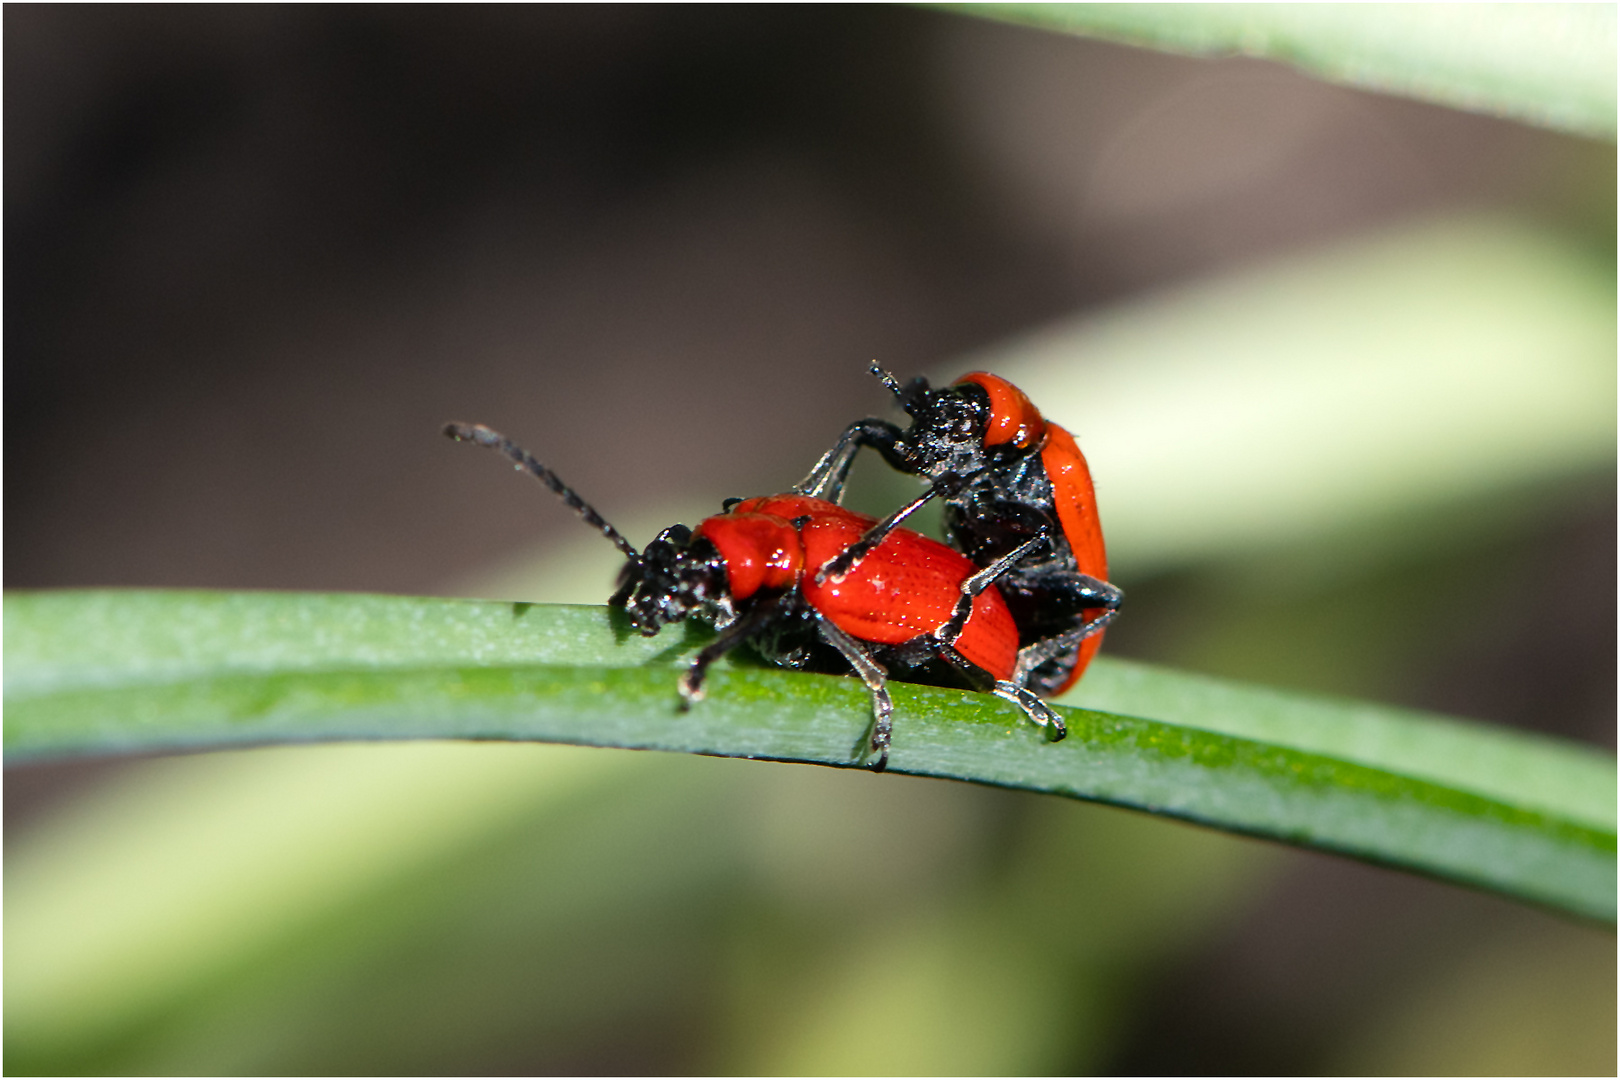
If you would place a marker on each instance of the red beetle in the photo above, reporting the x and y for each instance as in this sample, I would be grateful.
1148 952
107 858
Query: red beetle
1007 476
754 571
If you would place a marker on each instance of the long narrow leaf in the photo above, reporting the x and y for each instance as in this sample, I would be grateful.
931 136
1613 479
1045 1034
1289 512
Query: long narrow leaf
1550 64
108 672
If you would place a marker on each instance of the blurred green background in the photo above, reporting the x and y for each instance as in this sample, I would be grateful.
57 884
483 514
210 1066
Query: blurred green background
1343 365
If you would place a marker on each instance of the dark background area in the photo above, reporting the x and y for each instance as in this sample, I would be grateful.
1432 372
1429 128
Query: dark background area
256 256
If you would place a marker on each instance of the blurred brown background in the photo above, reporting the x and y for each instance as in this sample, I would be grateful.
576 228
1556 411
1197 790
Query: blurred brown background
256 256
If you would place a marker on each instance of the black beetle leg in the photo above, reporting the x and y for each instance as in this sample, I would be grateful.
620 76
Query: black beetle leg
941 642
838 568
976 583
1033 656
981 680
972 586
691 681
840 565
875 678
1034 708
826 480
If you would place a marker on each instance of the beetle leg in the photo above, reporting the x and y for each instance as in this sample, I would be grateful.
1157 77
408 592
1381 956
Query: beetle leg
732 635
942 641
1085 591
873 675
975 584
1074 595
839 567
826 480
1033 656
981 680
1034 708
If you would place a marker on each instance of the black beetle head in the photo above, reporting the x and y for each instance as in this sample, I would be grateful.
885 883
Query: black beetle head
947 427
675 576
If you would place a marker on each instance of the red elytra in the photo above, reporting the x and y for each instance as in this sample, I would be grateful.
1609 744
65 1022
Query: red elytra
1075 499
907 587
1014 419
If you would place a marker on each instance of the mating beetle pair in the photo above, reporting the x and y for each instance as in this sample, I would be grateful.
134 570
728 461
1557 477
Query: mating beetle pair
1015 607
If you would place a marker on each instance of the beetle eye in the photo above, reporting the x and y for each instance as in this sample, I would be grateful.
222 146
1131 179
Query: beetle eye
676 535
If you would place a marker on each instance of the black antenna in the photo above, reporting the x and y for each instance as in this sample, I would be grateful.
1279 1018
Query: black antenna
494 440
888 380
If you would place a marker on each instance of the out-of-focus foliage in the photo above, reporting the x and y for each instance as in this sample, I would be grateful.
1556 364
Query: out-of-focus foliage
1551 64
1319 399
562 880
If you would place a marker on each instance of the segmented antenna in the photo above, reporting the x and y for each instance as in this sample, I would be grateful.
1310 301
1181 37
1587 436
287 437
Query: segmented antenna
494 440
888 380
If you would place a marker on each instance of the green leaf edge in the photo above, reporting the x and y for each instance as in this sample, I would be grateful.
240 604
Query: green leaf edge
145 671
1571 88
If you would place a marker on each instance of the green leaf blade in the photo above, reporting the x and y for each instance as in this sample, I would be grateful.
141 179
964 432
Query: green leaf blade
1553 776
1546 64
100 672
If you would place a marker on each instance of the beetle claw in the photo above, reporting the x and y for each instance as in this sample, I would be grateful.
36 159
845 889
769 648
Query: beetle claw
690 686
